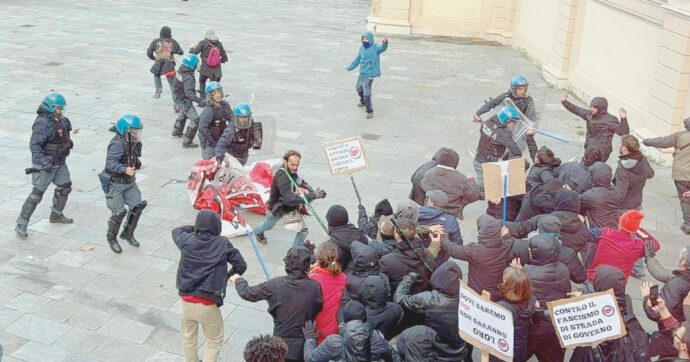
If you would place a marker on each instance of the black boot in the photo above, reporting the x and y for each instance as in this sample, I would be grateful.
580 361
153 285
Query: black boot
113 227
189 137
59 202
178 128
132 220
27 210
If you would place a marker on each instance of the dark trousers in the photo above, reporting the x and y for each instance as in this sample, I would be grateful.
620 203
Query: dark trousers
683 187
543 341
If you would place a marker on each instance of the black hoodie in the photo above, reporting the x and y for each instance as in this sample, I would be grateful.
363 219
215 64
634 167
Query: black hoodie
550 277
601 203
404 260
203 268
370 226
381 314
440 307
343 237
522 317
631 176
364 263
163 65
600 127
416 344
487 259
292 299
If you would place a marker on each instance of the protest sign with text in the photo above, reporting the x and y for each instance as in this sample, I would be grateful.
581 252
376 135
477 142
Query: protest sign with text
346 156
486 325
587 320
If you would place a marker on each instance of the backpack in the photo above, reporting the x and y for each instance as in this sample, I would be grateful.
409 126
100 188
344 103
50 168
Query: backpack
631 348
164 49
213 59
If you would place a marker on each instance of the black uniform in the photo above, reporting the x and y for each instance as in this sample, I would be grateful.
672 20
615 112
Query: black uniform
237 142
186 94
213 121
122 190
50 145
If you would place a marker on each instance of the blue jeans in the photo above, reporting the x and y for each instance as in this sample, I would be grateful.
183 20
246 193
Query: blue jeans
270 221
639 268
159 86
364 90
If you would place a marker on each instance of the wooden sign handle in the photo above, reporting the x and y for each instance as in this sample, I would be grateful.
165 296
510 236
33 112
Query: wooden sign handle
486 296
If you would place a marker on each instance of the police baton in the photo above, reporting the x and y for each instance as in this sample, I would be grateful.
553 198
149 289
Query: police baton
250 236
31 170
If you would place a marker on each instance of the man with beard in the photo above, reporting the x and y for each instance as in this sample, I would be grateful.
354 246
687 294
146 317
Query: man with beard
284 198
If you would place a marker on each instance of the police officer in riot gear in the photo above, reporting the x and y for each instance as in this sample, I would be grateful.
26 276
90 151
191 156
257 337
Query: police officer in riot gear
518 94
50 145
121 165
185 93
496 141
214 119
242 135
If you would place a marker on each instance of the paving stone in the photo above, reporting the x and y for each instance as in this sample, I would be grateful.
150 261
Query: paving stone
166 339
10 343
126 329
28 302
58 310
34 351
89 318
250 319
115 349
38 329
79 340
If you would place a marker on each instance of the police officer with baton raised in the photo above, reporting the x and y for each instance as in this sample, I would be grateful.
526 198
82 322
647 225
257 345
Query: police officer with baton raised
50 145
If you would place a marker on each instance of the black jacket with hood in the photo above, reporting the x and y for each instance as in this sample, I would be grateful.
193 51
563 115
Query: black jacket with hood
440 307
383 315
550 277
416 344
600 204
417 194
365 262
522 318
343 236
631 176
600 127
539 200
404 260
576 175
370 226
331 348
204 259
487 259
292 299
163 65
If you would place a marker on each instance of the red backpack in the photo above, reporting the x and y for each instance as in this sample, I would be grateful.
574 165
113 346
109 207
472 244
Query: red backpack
213 59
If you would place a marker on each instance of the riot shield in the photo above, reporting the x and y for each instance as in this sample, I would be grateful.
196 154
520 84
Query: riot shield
266 133
523 125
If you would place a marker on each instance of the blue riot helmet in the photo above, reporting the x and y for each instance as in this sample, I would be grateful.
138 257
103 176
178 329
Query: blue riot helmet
130 124
243 116
519 81
213 86
190 60
53 101
508 114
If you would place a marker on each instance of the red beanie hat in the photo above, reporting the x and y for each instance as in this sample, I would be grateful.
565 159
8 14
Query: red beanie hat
630 221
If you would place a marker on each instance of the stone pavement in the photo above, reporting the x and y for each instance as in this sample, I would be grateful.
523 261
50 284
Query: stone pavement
61 303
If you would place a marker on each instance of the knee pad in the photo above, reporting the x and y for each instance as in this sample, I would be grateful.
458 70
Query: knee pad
64 189
36 195
139 208
119 214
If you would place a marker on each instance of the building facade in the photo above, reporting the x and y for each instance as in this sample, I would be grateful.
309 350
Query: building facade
636 53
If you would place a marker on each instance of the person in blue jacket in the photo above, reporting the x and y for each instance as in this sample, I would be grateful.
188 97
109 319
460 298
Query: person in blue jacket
368 61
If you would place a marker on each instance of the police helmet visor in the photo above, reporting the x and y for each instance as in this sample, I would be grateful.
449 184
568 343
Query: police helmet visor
521 91
134 134
242 122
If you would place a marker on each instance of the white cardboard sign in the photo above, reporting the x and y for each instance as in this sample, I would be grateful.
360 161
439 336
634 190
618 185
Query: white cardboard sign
346 156
486 325
587 320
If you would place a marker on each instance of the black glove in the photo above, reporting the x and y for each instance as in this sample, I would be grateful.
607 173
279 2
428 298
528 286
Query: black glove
362 209
318 194
309 330
649 247
299 181
201 103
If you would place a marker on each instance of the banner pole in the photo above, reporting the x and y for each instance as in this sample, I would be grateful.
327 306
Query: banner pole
359 199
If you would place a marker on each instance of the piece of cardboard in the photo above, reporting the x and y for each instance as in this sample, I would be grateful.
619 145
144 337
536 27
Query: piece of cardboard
478 316
493 178
346 156
595 318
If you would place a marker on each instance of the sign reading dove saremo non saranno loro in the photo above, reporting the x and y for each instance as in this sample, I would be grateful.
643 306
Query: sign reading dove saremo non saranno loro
346 156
